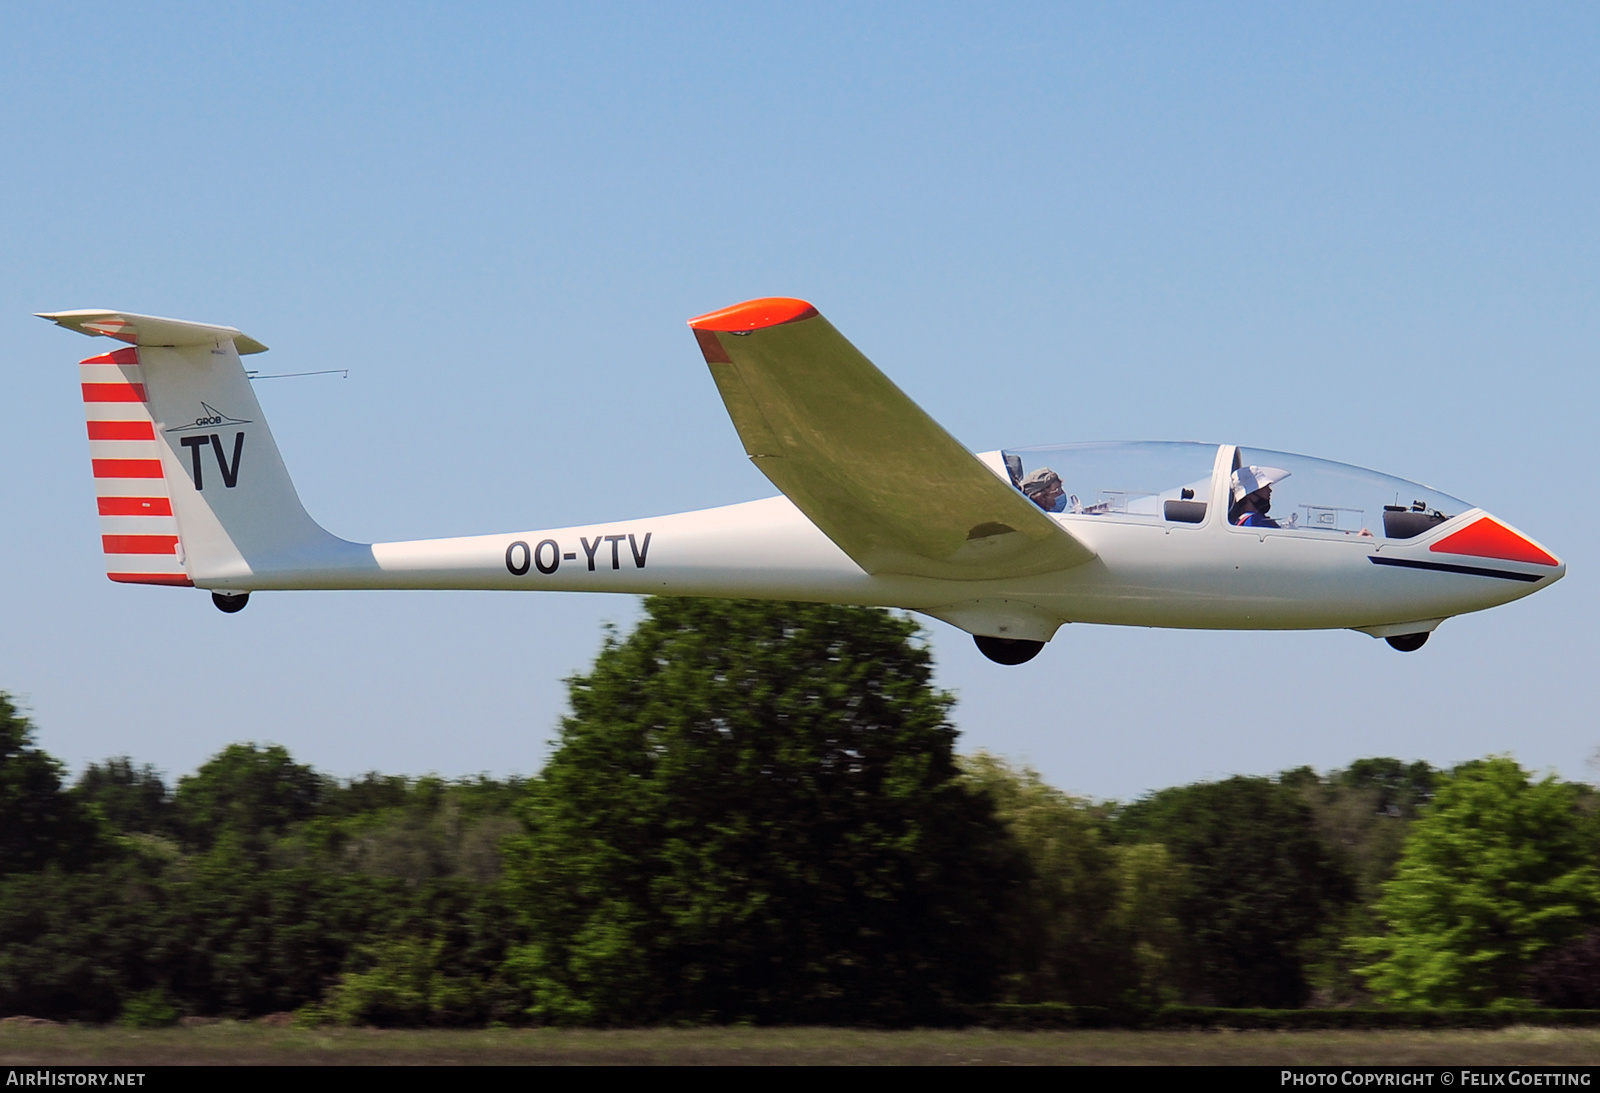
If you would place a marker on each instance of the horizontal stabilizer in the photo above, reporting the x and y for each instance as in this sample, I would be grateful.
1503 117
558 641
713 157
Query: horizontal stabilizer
134 329
867 465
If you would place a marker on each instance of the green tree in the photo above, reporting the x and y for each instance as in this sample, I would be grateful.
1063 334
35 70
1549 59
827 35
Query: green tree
73 945
40 822
1496 870
285 887
754 812
248 791
1093 924
419 829
128 798
443 962
1149 886
1259 885
1364 812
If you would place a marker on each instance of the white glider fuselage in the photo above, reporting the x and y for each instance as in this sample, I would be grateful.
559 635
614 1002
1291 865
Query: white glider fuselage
1205 576
881 507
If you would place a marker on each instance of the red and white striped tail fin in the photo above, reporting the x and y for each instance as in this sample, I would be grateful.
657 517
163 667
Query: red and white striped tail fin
138 531
191 487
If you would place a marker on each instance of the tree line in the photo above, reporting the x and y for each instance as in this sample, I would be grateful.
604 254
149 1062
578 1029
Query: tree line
757 812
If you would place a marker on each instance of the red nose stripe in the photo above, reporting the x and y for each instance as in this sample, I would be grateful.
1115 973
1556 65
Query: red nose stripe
755 315
1485 538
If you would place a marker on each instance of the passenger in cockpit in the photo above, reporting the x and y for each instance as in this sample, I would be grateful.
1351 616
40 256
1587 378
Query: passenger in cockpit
1043 487
1252 496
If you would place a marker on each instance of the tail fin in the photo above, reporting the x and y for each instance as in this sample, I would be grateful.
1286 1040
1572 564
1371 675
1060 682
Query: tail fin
189 481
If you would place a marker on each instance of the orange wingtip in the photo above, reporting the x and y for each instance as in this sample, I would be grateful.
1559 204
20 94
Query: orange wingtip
1486 538
755 315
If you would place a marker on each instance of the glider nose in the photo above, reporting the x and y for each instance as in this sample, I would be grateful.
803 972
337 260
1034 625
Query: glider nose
1489 538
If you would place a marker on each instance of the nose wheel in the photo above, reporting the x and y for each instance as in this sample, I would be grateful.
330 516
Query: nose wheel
1007 650
1408 643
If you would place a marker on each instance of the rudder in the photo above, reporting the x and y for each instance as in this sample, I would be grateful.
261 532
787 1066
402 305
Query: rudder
138 531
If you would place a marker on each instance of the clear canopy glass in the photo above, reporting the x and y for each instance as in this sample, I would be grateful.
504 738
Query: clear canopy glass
1306 494
1146 481
1170 483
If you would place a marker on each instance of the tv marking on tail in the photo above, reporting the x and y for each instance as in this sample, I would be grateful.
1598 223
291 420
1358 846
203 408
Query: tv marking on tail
230 472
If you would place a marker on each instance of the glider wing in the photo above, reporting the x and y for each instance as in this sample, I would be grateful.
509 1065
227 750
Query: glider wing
868 466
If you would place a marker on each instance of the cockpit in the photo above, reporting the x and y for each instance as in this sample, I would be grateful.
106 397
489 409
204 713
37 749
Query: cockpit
1170 483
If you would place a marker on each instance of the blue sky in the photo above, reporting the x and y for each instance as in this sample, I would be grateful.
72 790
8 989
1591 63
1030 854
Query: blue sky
1362 232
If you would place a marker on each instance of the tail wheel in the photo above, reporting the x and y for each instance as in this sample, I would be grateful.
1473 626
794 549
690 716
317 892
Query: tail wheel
1007 650
1408 643
230 602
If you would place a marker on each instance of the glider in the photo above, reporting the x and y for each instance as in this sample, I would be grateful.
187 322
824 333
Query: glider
880 506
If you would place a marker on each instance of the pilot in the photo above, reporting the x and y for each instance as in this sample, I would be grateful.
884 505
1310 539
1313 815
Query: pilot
1252 496
1043 487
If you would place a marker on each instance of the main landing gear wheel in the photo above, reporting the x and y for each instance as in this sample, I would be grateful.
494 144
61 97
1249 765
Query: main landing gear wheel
1408 643
230 601
1007 650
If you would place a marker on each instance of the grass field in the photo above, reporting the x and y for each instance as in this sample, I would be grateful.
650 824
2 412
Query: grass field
247 1044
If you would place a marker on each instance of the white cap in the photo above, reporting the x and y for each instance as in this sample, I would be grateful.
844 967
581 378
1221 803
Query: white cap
1247 480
